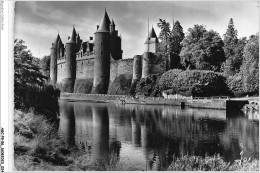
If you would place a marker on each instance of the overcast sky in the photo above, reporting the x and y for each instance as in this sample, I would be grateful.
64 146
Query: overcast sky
37 23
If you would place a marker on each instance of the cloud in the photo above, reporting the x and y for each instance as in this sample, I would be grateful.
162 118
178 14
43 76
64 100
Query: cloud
38 22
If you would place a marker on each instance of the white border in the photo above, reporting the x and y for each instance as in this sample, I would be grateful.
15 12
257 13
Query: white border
7 75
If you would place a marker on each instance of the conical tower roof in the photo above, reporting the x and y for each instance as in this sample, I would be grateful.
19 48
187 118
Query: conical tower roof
152 37
56 41
152 34
104 25
73 36
59 43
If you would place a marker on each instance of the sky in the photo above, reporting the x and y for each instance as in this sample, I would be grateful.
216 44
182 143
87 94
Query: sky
38 22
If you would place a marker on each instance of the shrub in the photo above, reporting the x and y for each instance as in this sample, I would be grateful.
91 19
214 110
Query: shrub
43 100
149 86
194 82
165 81
209 163
235 85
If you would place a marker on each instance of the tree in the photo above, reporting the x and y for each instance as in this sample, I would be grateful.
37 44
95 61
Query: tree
194 35
233 48
250 66
176 38
26 73
164 34
202 49
231 34
45 66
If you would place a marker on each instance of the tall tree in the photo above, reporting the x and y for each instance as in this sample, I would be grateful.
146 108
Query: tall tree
176 38
26 73
45 66
164 34
250 66
231 34
233 48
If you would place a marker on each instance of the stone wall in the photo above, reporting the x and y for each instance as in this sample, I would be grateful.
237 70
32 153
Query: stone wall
125 66
120 70
61 71
85 69
113 70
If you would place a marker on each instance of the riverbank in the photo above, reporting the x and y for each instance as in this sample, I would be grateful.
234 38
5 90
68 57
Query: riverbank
216 103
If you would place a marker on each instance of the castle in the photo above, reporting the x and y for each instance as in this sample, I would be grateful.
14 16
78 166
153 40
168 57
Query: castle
94 65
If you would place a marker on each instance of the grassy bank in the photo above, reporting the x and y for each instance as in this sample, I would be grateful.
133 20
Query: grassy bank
37 147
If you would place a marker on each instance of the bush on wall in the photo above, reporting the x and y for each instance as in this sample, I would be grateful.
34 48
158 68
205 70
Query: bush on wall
149 86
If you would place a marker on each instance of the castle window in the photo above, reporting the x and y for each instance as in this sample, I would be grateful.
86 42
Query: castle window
82 62
101 52
81 54
61 66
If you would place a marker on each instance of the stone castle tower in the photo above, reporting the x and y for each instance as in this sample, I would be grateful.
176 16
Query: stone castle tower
102 57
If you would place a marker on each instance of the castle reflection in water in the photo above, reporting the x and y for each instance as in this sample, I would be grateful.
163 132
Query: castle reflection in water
148 136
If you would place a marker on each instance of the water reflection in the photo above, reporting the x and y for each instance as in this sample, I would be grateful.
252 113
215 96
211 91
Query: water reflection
148 136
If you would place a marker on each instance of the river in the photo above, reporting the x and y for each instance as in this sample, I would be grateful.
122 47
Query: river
147 136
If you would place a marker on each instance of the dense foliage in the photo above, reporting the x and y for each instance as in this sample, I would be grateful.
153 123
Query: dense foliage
233 48
202 49
250 66
176 38
31 90
148 86
164 35
193 83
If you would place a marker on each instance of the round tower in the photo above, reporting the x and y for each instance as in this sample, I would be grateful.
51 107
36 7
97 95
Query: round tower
137 67
102 57
53 61
70 62
146 64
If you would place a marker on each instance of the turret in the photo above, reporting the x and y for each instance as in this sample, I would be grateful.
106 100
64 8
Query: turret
112 26
53 60
115 42
137 67
59 49
102 57
146 64
152 42
70 60
78 42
